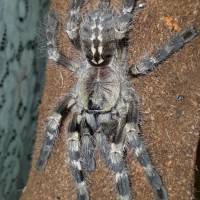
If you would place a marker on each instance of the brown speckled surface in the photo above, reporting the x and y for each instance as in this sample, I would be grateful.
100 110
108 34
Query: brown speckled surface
170 127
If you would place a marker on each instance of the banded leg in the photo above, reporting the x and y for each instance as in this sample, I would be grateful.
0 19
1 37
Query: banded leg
112 154
118 166
103 143
176 43
122 25
72 26
134 141
104 4
51 44
87 147
51 132
128 6
123 20
117 162
75 158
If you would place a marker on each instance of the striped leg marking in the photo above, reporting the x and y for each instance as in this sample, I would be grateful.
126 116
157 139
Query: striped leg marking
52 46
123 20
128 6
104 4
122 26
51 131
163 53
113 157
75 160
135 142
103 145
87 147
72 26
51 134
104 131
113 153
121 174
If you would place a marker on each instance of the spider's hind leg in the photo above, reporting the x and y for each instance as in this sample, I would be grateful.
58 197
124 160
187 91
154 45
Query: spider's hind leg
118 166
87 147
74 152
134 141
106 127
113 154
51 131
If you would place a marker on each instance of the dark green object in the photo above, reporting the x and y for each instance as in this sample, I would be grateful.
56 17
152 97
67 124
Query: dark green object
21 80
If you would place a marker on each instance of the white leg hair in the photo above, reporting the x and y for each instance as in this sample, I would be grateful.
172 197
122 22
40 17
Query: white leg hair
135 142
75 159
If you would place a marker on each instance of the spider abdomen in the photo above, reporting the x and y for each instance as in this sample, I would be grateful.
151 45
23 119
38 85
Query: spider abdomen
99 89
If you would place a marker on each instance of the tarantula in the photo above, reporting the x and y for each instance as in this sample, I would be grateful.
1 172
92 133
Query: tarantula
104 105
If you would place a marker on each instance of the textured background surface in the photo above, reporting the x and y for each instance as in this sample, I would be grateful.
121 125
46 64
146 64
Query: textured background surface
21 78
170 127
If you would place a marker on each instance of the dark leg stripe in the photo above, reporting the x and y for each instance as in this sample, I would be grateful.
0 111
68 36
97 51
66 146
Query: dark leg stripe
87 152
145 161
74 155
51 134
176 43
123 184
78 174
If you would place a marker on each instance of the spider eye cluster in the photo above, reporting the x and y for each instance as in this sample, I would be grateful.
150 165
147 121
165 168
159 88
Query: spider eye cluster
97 37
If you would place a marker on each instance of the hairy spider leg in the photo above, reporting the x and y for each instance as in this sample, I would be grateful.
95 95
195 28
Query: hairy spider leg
102 142
52 50
113 153
176 43
74 152
113 158
134 141
104 5
128 6
123 21
87 147
51 131
125 111
73 23
117 162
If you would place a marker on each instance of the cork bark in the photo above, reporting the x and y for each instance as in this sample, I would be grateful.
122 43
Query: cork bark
169 103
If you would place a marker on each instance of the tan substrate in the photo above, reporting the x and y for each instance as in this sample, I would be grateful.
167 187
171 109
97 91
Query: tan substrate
171 139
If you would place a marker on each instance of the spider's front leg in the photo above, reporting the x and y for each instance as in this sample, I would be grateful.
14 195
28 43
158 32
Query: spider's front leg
51 132
122 26
176 43
117 164
74 150
73 23
52 50
123 19
134 141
